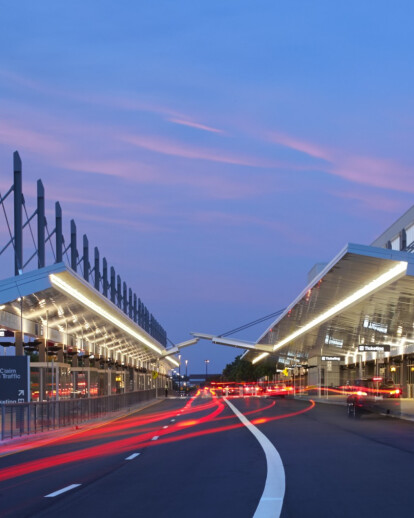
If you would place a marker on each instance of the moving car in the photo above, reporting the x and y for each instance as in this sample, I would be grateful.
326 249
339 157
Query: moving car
279 390
373 394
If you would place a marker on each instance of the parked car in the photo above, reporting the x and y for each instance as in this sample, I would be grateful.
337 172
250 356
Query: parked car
373 394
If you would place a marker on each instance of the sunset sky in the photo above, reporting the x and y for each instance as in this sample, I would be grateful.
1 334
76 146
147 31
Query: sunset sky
212 150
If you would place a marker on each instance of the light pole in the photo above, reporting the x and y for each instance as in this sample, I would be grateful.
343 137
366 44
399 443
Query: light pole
186 364
206 362
179 374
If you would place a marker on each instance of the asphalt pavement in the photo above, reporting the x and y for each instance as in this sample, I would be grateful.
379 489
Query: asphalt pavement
194 458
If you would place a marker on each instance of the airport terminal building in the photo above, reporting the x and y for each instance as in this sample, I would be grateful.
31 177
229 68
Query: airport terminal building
69 324
354 319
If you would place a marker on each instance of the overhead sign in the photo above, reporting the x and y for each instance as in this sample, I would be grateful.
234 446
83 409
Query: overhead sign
374 348
14 379
332 358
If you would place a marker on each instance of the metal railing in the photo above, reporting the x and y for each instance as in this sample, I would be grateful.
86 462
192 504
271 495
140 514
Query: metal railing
19 419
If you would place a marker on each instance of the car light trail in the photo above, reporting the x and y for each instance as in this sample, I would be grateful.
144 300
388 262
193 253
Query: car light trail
125 445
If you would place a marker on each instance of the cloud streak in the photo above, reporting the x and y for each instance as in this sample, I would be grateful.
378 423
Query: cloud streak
173 148
195 125
383 173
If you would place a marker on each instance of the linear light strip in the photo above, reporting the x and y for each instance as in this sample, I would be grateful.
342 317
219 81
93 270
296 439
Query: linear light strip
386 277
101 311
172 361
260 357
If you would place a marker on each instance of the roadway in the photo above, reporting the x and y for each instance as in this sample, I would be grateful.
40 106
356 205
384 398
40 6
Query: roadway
196 458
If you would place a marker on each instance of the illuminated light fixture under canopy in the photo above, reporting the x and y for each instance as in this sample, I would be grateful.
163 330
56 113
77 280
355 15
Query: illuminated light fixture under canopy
172 361
67 288
396 271
260 357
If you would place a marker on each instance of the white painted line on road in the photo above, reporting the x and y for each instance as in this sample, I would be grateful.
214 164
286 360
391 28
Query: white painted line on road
67 488
132 456
155 438
270 505
166 426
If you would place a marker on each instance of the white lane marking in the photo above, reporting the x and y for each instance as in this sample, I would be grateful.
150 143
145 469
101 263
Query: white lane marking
270 504
166 426
155 438
67 488
132 456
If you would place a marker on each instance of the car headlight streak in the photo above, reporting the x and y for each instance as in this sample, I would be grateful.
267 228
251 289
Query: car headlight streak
386 277
64 286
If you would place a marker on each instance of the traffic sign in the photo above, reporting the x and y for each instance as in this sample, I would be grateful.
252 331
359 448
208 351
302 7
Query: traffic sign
14 379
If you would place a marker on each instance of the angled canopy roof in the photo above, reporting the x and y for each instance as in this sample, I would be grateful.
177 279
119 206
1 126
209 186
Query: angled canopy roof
365 295
58 299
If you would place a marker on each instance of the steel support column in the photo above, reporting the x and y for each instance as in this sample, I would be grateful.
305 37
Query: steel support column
18 214
130 303
96 269
86 266
41 257
59 234
118 291
124 297
73 246
105 277
113 288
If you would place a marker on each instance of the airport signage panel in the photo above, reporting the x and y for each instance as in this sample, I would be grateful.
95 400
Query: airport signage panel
374 348
14 379
332 358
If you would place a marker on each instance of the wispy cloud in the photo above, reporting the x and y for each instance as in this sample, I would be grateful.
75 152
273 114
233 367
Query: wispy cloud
12 134
371 201
195 125
211 185
174 148
308 148
141 226
379 172
232 219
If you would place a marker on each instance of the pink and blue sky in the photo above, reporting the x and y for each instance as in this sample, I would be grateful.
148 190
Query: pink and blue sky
213 151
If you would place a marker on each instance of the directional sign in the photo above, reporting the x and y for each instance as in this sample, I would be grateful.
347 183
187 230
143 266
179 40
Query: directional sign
374 348
14 379
332 358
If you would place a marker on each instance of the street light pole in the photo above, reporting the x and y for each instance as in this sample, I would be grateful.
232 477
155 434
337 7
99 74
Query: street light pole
186 364
206 362
179 374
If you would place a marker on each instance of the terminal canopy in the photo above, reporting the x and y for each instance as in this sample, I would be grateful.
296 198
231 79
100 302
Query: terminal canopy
57 304
364 297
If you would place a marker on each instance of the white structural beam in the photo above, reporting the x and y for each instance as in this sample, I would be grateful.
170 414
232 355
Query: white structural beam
176 349
232 342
